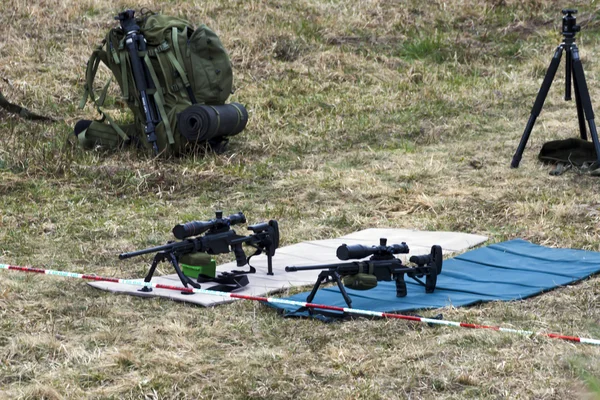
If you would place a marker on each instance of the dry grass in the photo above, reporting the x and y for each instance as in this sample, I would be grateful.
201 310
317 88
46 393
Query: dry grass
374 113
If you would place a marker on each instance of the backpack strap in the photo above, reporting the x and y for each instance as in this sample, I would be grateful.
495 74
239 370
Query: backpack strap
177 62
123 62
169 63
98 56
218 117
90 72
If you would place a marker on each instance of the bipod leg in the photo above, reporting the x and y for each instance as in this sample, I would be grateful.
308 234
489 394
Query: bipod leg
160 256
537 106
184 279
580 115
323 275
336 276
586 102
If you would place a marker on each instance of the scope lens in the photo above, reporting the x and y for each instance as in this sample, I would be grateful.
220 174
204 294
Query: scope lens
182 231
400 248
238 218
355 251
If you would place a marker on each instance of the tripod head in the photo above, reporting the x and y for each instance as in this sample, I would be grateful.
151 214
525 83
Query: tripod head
128 22
569 26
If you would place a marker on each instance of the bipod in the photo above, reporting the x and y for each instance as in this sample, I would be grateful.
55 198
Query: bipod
328 276
573 68
170 257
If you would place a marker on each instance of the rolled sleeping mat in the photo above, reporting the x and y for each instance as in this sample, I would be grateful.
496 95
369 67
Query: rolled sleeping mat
201 122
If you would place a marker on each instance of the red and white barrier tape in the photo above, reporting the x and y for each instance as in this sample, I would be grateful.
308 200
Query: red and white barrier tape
138 282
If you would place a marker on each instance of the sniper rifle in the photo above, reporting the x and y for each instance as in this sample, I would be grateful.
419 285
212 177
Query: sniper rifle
218 238
381 266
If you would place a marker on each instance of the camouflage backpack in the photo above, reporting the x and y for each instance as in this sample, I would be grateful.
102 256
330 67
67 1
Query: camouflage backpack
185 66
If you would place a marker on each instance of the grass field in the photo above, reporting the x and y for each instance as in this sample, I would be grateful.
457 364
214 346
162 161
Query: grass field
374 113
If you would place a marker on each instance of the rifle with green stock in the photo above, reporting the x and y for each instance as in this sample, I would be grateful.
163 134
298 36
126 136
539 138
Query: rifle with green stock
218 238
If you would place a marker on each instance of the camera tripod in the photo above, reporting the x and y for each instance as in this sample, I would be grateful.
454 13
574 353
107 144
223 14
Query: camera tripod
573 68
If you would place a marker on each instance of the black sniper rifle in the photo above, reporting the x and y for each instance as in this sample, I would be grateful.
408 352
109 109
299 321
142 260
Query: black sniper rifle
382 266
219 238
136 47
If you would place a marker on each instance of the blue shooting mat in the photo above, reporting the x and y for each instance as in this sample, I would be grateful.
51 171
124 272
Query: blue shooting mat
511 270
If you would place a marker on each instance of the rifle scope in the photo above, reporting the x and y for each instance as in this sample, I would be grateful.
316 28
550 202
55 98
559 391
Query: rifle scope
358 251
194 228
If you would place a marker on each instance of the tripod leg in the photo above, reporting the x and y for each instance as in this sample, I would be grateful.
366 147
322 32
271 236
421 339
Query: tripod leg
586 102
568 73
580 115
537 106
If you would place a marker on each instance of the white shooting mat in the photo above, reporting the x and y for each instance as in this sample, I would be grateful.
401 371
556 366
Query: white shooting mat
304 253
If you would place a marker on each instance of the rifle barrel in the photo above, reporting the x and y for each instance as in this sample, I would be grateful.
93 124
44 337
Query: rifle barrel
293 268
355 266
156 249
